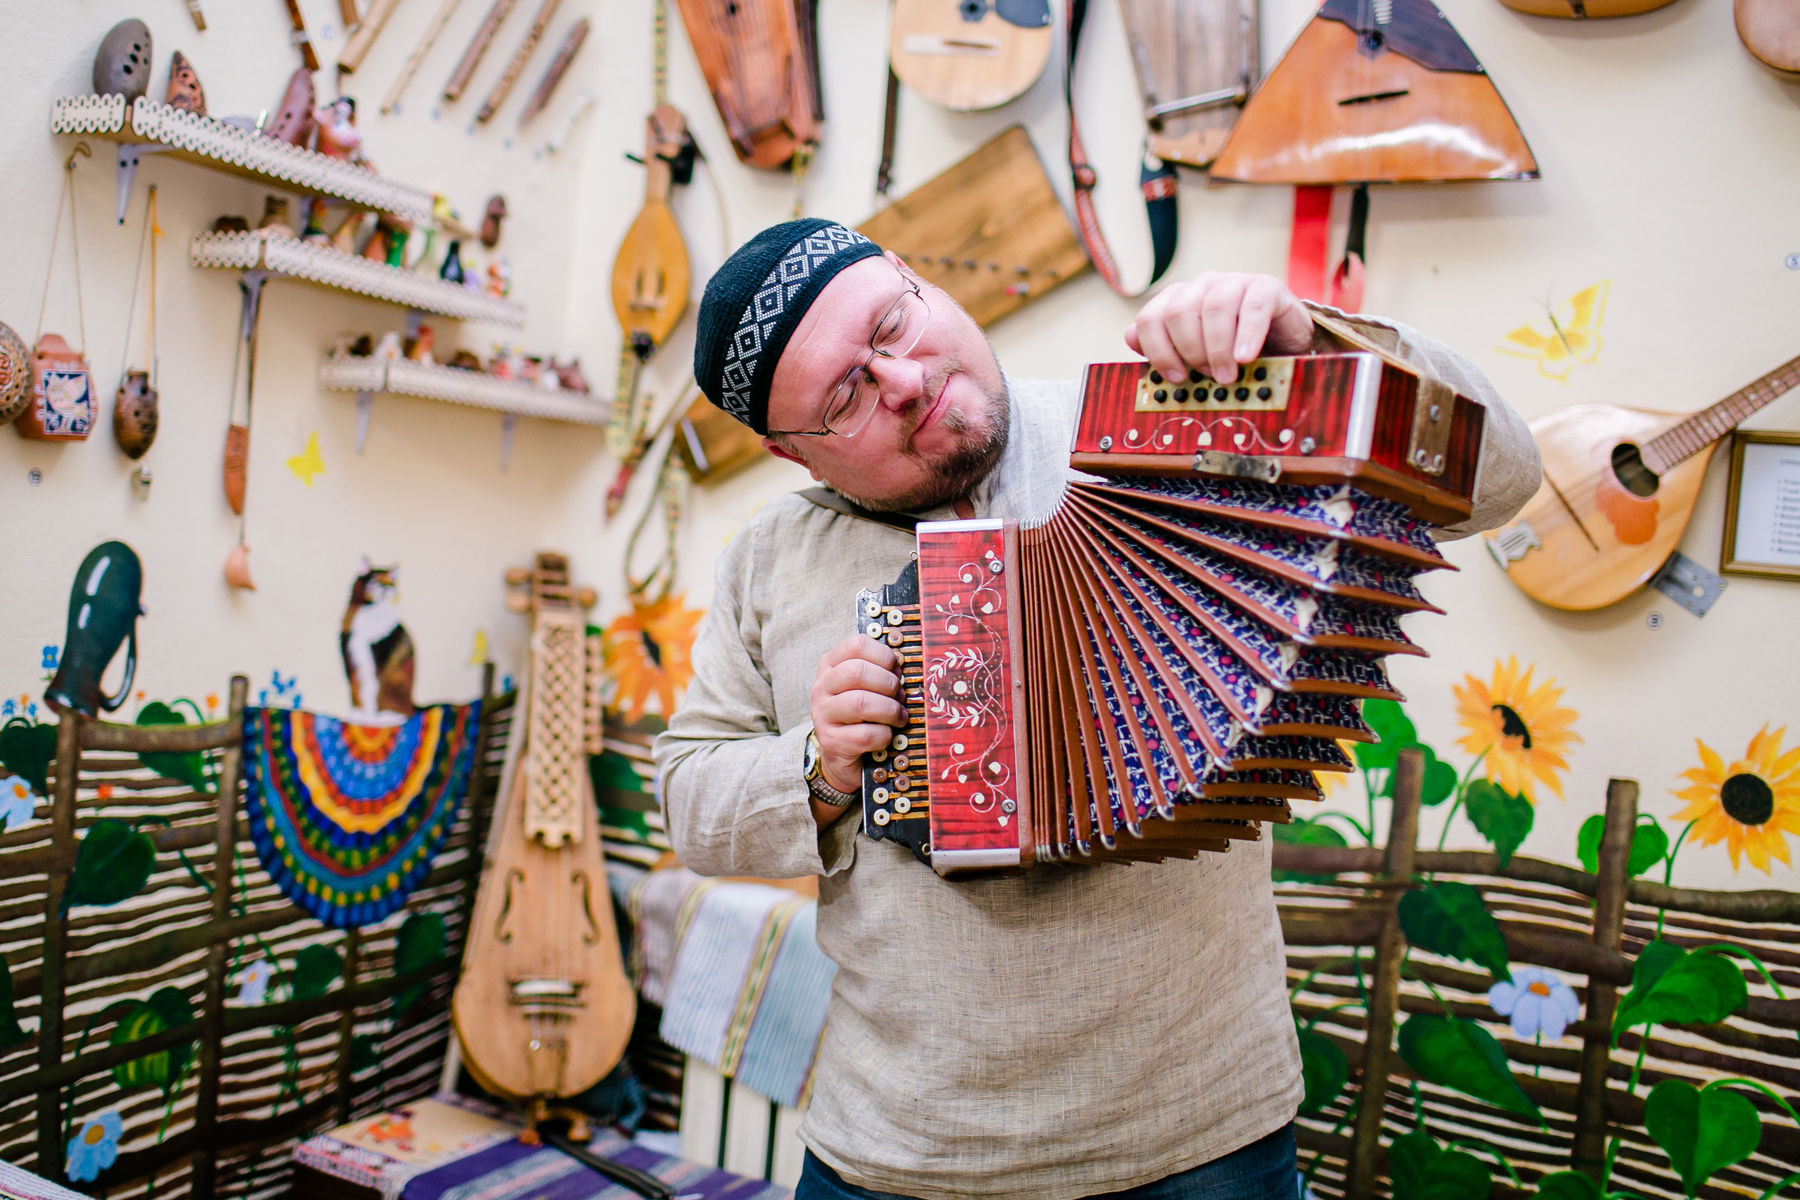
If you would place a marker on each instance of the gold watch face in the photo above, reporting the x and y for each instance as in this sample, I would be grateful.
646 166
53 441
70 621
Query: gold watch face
813 761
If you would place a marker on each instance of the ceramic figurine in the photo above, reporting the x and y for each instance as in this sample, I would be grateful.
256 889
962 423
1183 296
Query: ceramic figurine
465 360
237 568
237 464
362 347
62 397
293 121
499 278
134 414
345 239
529 366
16 374
122 67
376 248
314 233
389 347
419 349
571 378
103 613
275 217
500 366
490 223
230 224
338 135
399 233
185 91
452 270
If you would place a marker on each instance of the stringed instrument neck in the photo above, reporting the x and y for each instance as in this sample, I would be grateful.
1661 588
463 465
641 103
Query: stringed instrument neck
1700 430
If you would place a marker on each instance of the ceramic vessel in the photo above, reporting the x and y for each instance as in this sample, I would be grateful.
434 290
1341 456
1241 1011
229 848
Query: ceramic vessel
103 613
490 222
16 374
122 66
452 270
134 414
61 408
237 568
293 122
185 91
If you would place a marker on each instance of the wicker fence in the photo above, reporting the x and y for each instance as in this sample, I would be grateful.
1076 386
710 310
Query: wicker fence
214 1097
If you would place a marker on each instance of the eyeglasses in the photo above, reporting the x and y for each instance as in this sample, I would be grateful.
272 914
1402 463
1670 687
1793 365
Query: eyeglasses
853 403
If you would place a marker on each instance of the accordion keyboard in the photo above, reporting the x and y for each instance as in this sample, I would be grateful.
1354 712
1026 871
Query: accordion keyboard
894 782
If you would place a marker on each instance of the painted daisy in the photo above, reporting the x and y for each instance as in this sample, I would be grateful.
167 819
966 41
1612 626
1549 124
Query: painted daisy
17 801
1536 1001
1752 804
95 1147
1522 732
256 982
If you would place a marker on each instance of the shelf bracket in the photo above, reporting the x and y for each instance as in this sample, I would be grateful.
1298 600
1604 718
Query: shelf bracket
507 423
251 284
365 404
129 153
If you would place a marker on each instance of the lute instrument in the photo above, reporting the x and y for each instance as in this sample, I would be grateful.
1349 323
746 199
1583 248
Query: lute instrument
969 54
1618 492
1196 62
543 1008
760 59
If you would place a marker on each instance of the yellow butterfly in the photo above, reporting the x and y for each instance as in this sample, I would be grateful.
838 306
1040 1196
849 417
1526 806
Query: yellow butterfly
480 653
308 465
1573 336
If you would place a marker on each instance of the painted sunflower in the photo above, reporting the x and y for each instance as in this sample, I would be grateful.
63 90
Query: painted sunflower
1522 732
1331 781
1752 805
648 650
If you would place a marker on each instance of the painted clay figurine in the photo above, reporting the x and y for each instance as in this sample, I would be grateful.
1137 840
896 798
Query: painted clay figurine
16 374
275 217
134 414
452 270
499 278
338 135
571 378
185 91
314 233
103 613
418 349
230 224
62 397
490 223
122 66
293 122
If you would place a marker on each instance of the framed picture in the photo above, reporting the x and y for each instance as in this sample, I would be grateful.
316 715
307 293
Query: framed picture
1762 507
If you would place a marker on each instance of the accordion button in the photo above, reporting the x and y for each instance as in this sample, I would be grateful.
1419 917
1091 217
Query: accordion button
902 805
894 616
1243 393
894 638
1156 377
1159 395
1180 394
1263 393
879 795
901 741
881 817
880 774
1260 374
1221 393
874 629
902 762
879 755
1194 377
902 783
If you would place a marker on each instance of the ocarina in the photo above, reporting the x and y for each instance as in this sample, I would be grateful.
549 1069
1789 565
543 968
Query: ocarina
16 374
294 122
237 462
490 223
185 91
122 67
134 414
237 568
62 396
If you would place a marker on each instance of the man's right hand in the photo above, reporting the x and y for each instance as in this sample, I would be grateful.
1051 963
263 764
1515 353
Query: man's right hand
855 709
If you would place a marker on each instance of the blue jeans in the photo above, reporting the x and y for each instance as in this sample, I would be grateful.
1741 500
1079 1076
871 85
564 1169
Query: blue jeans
1263 1170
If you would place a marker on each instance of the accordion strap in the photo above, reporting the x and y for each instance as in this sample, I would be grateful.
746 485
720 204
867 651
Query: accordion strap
826 498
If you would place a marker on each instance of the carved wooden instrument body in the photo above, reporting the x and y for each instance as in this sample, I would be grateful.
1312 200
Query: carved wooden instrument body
760 62
543 1008
650 275
1770 29
1359 99
969 54
1618 492
1197 62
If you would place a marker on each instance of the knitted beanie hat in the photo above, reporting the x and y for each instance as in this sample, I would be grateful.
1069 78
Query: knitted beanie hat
753 303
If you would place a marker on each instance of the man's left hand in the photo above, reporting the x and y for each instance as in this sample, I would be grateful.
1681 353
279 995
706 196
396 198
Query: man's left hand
1213 323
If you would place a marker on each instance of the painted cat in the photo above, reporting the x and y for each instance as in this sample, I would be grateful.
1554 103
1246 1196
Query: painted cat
378 653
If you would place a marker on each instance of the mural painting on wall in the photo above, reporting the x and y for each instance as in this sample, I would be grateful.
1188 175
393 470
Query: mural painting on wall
1568 337
648 653
309 464
377 650
1751 804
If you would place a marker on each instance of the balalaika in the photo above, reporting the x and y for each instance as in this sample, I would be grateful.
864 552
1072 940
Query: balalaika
1161 665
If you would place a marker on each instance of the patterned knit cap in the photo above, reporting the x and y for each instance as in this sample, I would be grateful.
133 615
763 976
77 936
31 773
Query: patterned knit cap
754 302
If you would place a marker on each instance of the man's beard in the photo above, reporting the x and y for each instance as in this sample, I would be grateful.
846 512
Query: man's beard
955 474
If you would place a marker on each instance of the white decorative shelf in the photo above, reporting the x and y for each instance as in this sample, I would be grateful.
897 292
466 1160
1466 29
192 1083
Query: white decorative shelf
291 257
212 143
407 378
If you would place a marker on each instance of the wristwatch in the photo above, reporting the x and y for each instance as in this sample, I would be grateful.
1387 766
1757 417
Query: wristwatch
816 783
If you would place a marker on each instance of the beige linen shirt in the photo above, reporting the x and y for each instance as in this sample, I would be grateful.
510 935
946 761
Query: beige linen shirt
1052 1035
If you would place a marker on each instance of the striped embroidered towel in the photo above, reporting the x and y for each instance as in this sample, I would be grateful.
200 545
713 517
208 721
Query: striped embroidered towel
783 1038
724 939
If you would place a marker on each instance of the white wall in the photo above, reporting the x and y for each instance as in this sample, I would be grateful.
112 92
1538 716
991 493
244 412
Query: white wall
1668 164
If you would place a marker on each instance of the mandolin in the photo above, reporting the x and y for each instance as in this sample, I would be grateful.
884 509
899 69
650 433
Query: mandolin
543 1008
1770 29
1619 488
760 59
969 54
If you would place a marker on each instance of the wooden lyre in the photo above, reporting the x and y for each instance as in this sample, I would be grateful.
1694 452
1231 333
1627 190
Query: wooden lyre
543 1009
760 59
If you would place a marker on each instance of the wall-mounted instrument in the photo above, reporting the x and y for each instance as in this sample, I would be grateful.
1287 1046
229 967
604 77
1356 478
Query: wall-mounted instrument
1196 62
553 74
357 48
969 54
411 66
301 41
760 59
1158 668
478 46
503 86
1581 9
1770 29
990 230
543 1008
714 445
1618 492
1370 93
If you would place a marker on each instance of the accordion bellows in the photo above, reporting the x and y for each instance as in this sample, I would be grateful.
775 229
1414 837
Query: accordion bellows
1153 671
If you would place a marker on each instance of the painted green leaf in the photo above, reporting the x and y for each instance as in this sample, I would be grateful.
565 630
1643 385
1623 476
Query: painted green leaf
1649 844
1464 1057
1324 1069
419 943
27 749
363 1053
1302 832
191 768
167 1008
1420 1169
1439 782
10 1032
1678 986
1702 1132
1391 725
113 863
1499 816
315 969
1452 919
1568 1185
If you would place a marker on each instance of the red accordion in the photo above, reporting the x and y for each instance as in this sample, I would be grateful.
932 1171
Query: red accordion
1164 662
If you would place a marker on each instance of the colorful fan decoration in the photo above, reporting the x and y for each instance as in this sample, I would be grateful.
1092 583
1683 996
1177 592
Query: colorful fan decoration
347 818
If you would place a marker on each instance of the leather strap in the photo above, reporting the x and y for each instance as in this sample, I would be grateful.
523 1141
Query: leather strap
1156 179
1306 243
890 125
826 498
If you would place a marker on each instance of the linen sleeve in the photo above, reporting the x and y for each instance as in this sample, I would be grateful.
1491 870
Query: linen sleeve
730 779
1510 470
